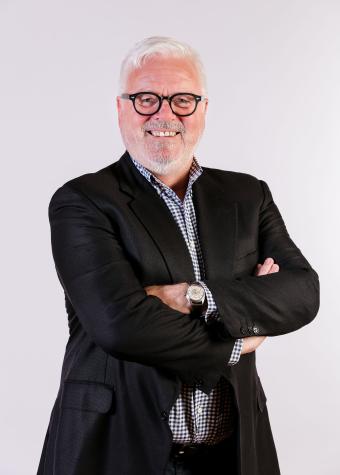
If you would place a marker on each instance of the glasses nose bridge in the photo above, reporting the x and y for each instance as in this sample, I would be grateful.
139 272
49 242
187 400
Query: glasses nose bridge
168 99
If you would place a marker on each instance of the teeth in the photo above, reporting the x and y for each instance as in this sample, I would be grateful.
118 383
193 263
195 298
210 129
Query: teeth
158 133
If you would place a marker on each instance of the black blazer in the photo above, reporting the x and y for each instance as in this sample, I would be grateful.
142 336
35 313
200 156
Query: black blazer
128 353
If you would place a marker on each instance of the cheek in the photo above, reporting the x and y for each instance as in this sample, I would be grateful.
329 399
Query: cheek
132 127
193 131
194 125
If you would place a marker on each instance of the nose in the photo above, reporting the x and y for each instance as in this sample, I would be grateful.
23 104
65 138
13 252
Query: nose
165 110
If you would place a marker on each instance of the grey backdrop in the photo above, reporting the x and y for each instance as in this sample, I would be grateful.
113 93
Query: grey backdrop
273 72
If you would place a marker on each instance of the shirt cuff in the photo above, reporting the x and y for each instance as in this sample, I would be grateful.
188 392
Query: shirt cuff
211 312
236 353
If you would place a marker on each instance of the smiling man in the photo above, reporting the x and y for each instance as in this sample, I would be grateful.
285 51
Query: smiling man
150 138
173 274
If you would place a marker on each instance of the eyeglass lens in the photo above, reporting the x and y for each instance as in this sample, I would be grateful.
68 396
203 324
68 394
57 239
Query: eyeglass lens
148 103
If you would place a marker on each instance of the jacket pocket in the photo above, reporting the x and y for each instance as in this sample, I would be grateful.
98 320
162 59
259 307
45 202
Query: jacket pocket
261 396
246 263
246 254
87 396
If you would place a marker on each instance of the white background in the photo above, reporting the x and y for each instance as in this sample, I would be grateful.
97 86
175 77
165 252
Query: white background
273 71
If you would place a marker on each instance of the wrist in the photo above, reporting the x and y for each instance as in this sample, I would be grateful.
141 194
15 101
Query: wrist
196 296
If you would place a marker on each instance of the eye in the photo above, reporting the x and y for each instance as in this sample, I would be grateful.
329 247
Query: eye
146 100
184 101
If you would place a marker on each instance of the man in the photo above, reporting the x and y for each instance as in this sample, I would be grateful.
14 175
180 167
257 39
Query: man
173 275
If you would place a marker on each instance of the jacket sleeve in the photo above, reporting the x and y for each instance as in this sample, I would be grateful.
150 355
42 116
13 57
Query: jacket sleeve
210 315
272 304
112 306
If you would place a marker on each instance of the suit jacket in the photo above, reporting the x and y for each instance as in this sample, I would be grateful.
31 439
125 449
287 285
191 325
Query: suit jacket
128 353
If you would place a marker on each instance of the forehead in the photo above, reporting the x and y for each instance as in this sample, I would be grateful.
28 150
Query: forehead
165 76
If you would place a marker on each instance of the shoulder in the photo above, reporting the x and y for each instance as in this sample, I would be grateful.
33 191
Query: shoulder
230 175
239 184
93 186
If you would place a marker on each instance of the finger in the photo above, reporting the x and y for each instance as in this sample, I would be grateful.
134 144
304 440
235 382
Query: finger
258 267
265 268
274 268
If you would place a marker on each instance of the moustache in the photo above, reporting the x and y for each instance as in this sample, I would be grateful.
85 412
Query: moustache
163 126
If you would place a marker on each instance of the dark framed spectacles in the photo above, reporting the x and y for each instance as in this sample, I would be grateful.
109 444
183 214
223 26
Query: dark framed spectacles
148 103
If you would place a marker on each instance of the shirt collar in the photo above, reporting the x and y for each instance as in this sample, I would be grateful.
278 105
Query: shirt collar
195 171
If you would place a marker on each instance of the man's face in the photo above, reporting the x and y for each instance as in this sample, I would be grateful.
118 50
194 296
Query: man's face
162 155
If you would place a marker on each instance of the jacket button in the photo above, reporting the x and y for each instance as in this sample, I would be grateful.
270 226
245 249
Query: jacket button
243 330
199 382
256 329
164 415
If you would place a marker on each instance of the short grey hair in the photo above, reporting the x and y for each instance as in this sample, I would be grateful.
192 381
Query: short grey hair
164 46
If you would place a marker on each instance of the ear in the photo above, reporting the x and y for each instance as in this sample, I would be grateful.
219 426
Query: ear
119 108
206 105
118 103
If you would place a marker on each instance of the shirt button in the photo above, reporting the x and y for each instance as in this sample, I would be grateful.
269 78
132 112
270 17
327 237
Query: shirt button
199 410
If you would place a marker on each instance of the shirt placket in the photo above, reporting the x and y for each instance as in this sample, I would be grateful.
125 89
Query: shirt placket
197 427
198 399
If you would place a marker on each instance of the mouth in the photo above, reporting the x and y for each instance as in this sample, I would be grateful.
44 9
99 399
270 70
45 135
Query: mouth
161 135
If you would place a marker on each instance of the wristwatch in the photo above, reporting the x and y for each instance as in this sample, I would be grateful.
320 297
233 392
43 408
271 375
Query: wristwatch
196 295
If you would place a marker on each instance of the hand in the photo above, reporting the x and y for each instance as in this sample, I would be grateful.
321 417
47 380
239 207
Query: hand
268 267
172 295
250 343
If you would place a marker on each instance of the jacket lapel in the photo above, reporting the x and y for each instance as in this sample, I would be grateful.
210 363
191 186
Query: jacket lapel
215 221
216 215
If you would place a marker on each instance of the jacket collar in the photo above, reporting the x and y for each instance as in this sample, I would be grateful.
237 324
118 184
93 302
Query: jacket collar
195 171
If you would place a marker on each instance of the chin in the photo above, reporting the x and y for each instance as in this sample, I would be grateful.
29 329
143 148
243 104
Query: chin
163 165
170 164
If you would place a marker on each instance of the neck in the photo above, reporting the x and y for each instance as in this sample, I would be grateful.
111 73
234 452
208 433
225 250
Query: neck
178 181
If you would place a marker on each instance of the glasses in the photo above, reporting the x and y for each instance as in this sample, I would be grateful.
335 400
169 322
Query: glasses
148 103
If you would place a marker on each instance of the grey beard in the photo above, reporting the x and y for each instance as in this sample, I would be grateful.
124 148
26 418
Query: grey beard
162 165
161 159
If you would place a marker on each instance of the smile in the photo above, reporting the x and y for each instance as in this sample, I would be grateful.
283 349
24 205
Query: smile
158 133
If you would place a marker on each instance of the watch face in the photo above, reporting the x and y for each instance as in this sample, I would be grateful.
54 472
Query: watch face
196 293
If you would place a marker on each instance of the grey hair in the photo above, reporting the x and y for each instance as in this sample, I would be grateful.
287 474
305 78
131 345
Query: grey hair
159 46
